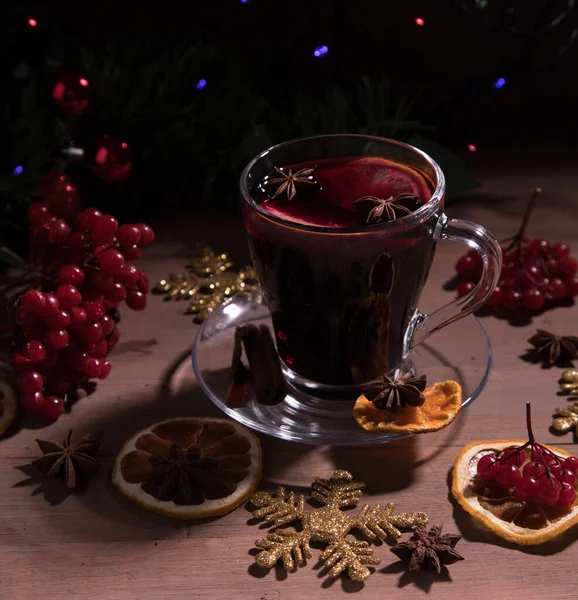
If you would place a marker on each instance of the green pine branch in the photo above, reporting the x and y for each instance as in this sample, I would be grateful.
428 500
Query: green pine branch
185 139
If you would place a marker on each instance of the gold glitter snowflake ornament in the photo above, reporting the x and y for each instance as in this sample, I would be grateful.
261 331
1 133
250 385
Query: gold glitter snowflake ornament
328 524
210 280
566 419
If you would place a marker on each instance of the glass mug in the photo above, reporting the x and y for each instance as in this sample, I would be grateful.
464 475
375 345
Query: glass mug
344 301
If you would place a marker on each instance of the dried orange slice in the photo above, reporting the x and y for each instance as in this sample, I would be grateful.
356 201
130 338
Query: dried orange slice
521 523
8 406
443 401
189 468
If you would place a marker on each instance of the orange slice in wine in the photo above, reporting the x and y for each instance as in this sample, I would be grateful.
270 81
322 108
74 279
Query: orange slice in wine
443 402
189 468
372 176
523 523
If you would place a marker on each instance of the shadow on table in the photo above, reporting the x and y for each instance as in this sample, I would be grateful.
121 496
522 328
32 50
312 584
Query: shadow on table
53 490
474 531
390 467
421 579
177 396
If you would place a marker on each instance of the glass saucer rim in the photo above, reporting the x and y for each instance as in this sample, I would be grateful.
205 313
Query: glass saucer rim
313 438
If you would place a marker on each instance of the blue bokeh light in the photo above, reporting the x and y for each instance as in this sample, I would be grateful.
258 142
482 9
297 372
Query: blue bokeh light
320 51
244 1
18 170
201 84
499 83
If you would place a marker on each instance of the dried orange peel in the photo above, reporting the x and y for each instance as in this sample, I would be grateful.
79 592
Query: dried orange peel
8 406
189 468
443 402
462 474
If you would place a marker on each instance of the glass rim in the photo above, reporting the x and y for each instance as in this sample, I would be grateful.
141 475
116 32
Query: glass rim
424 212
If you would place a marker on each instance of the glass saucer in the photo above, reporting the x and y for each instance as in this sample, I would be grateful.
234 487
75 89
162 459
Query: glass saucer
304 418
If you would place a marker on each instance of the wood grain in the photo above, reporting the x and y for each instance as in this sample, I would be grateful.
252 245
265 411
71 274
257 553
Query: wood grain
97 546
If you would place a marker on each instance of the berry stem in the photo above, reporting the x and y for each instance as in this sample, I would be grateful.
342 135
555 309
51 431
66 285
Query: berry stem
520 235
543 450
529 423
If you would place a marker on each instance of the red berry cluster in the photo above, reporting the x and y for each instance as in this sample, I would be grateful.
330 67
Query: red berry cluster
535 274
68 324
532 472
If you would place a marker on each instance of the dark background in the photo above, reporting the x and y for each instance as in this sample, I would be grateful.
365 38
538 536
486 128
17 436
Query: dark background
453 58
432 86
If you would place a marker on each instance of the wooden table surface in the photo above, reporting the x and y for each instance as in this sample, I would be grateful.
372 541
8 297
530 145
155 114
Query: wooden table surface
97 546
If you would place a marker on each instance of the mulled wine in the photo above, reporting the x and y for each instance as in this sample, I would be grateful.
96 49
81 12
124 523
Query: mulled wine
341 290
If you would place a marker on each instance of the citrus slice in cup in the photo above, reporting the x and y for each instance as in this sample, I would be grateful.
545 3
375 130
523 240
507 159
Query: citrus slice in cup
523 523
189 468
443 402
372 176
8 406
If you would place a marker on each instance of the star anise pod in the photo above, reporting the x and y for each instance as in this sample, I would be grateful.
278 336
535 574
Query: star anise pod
181 476
552 348
74 460
426 549
380 210
287 183
397 393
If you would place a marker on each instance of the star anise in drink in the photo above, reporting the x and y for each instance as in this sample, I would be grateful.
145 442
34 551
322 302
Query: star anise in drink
382 210
288 182
553 348
391 394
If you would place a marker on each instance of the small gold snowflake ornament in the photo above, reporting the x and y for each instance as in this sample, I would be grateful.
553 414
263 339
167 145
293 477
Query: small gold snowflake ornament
210 280
566 419
328 524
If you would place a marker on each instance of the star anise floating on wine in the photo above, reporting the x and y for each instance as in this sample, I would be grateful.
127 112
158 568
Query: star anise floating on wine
181 476
554 349
288 182
383 210
426 549
73 461
391 394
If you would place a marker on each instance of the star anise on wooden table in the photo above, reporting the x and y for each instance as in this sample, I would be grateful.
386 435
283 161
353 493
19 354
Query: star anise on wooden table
426 549
382 210
287 183
396 393
73 461
181 476
553 349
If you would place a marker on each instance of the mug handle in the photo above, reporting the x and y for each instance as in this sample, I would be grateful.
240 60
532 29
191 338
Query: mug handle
479 238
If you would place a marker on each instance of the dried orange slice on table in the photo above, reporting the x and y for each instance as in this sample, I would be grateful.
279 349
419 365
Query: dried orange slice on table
189 468
443 402
501 510
8 406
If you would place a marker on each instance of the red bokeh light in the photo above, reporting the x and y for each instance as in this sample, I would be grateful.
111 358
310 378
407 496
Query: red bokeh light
32 22
419 21
83 82
472 148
